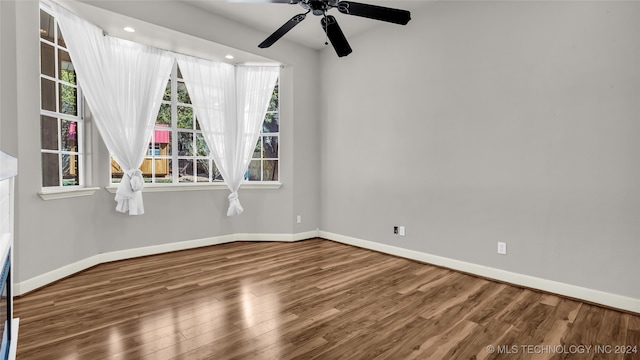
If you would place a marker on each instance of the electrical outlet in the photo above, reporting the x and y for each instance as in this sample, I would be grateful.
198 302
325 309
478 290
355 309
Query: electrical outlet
401 231
502 248
299 219
395 230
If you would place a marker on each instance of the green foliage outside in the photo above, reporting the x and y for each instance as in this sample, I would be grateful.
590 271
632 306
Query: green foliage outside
69 106
68 94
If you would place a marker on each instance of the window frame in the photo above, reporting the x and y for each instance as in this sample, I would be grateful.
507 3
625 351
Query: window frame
261 140
57 114
174 158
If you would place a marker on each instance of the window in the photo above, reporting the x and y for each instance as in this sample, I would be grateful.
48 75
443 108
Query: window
178 152
61 125
264 165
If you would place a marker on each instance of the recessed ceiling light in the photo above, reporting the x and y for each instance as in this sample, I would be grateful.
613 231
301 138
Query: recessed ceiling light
129 29
228 57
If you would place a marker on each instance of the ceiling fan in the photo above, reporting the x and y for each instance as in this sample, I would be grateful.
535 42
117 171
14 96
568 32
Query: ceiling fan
329 22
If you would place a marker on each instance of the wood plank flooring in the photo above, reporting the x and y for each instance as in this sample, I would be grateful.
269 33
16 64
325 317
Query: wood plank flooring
313 299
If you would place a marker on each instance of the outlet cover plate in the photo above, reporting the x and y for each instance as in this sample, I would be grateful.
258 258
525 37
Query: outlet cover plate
502 248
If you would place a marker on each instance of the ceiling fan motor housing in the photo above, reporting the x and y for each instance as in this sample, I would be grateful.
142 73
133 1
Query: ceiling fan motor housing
317 7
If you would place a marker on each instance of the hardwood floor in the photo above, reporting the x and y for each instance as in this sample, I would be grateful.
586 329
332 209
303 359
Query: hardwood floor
312 299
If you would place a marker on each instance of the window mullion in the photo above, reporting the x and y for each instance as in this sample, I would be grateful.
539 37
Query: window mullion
56 69
174 123
210 166
45 76
58 109
151 152
80 139
60 170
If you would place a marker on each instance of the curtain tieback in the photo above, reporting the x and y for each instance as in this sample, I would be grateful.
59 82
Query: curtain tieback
234 205
135 179
129 193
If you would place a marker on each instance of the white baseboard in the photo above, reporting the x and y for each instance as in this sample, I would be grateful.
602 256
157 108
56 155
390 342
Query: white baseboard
573 291
277 237
164 248
54 275
591 295
67 270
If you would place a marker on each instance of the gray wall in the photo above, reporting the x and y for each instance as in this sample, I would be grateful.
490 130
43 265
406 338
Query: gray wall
52 234
7 75
483 121
476 123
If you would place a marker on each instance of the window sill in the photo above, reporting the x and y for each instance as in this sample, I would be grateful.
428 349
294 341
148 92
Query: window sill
198 187
67 193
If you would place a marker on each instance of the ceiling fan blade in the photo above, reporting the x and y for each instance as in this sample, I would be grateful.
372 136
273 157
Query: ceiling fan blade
375 12
282 30
336 36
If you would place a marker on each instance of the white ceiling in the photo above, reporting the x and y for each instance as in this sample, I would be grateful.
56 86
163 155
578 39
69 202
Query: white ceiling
268 17
154 35
265 17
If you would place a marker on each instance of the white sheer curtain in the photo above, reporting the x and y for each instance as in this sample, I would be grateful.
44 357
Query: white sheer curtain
123 83
230 103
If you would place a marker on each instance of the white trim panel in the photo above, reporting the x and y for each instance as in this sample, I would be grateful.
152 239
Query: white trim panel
67 270
15 323
67 193
573 291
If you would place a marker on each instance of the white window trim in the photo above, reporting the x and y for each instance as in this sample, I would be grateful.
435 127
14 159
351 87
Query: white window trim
200 187
56 194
